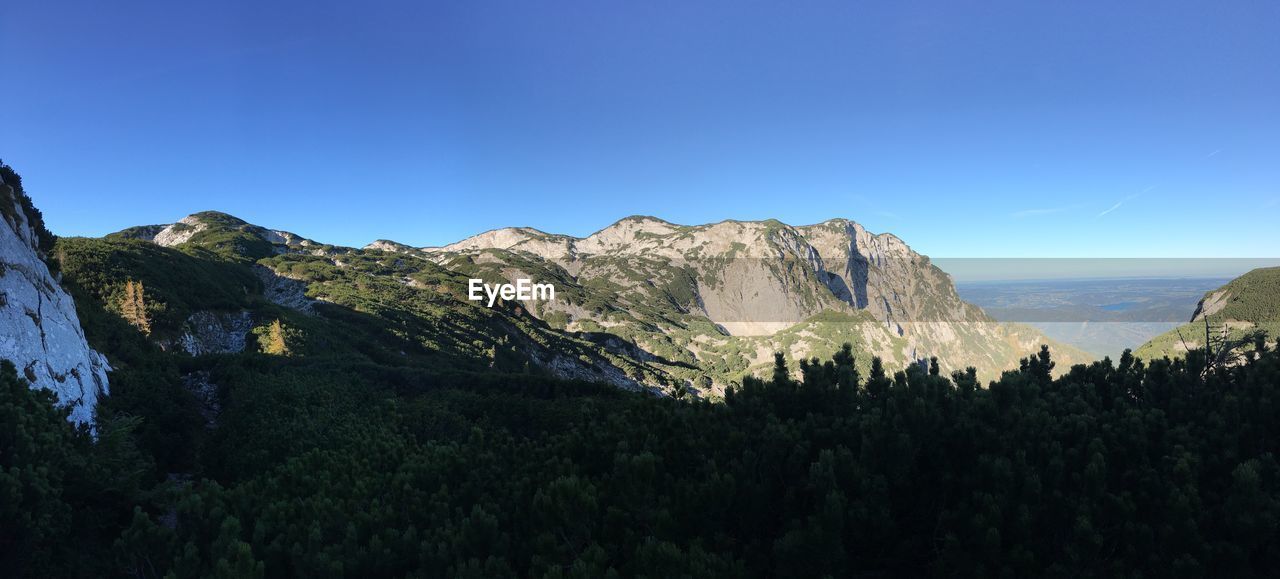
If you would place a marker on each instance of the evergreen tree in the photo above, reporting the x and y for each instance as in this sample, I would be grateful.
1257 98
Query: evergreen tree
276 344
781 376
133 307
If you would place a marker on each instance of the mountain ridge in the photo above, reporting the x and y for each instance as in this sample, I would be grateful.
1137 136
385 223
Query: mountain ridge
1236 311
509 237
691 304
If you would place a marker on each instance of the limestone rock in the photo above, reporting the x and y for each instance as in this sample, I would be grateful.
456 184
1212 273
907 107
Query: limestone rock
39 329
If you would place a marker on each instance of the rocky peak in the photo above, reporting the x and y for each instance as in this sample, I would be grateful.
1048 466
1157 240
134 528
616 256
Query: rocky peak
875 272
504 238
215 223
39 329
527 239
624 232
389 246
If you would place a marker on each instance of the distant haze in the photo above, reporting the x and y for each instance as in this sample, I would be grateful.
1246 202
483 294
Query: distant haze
969 270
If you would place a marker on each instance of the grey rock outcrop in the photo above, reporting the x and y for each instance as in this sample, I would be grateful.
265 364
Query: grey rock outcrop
216 332
284 291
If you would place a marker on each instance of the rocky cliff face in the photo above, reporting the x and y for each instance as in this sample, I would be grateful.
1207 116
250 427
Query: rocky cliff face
758 274
753 280
39 330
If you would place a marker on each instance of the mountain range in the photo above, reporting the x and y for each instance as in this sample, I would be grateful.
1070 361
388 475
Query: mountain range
642 303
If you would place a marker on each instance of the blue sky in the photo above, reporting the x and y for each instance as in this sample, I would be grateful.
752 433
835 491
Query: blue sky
1016 129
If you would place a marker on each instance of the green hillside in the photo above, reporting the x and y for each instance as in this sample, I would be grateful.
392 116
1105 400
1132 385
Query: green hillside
1254 297
1240 310
371 308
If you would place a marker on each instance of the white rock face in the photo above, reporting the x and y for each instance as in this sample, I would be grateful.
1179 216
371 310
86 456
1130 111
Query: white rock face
39 330
180 232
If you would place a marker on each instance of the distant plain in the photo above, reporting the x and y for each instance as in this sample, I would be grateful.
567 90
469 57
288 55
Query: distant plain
1100 316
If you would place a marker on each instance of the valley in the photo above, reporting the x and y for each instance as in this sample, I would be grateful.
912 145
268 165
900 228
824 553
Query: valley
1103 317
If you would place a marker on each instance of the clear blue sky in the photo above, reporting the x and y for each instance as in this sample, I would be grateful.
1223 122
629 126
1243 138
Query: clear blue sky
1013 129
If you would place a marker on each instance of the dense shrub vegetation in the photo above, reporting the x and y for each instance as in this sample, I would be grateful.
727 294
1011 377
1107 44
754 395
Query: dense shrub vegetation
1253 296
1125 469
13 199
176 282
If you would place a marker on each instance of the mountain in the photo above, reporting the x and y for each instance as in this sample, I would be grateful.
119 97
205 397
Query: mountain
1238 310
723 297
220 233
216 284
39 329
643 303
